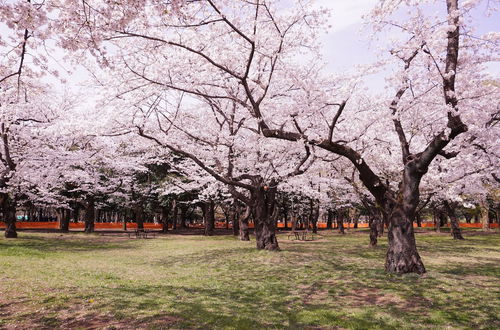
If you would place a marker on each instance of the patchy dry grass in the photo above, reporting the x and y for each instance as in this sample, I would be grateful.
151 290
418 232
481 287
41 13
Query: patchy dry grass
91 281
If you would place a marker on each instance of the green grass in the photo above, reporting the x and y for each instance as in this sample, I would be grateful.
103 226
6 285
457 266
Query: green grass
91 281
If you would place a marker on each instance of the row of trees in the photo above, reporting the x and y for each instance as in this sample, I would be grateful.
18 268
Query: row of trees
234 99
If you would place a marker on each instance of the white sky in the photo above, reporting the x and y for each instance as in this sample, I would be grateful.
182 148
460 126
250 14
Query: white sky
344 45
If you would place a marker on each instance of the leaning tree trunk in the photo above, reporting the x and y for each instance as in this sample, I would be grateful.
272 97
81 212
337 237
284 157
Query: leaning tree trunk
455 225
89 214
264 198
9 214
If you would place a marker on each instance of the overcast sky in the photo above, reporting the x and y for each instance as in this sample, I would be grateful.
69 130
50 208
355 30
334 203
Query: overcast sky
345 45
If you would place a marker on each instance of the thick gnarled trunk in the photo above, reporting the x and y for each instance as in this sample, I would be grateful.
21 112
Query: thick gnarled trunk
264 208
402 256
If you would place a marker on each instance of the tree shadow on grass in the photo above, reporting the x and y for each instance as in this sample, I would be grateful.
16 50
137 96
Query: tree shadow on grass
39 245
484 269
238 308
218 255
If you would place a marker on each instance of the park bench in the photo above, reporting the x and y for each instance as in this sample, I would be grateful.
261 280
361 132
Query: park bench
142 233
301 235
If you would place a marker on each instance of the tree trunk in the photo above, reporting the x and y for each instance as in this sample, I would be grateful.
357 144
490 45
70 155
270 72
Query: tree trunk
372 222
285 215
9 214
437 220
418 218
455 225
209 217
184 208
294 222
402 256
329 220
484 215
264 209
174 215
340 223
382 220
139 217
314 216
76 213
164 219
243 224
125 219
89 214
227 214
236 219
64 219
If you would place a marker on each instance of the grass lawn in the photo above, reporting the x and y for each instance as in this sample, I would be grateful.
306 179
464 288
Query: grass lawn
186 281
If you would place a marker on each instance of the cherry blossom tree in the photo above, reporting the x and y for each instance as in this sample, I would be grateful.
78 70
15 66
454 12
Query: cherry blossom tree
435 86
196 80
